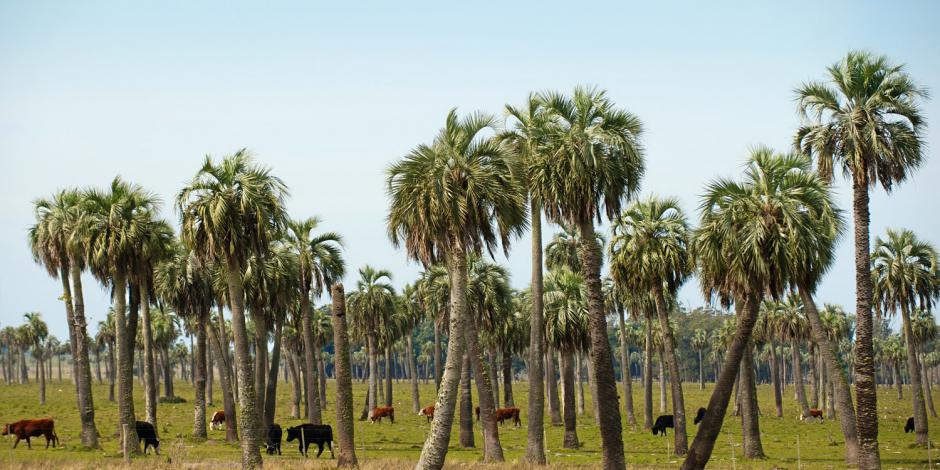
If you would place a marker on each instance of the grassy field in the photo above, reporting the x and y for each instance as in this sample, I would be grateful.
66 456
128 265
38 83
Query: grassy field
787 442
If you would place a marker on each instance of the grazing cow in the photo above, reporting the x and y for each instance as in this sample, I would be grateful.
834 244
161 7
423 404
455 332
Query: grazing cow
218 420
814 414
699 416
380 412
506 414
273 442
909 426
148 435
28 428
428 412
306 434
663 422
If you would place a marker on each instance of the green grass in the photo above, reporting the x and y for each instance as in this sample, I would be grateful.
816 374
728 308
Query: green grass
396 445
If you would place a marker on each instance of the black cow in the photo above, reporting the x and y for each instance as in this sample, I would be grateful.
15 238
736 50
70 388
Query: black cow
273 442
909 426
307 433
700 415
148 435
662 422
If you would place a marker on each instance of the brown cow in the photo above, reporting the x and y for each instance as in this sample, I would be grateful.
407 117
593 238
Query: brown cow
31 428
814 413
380 412
427 411
218 420
503 414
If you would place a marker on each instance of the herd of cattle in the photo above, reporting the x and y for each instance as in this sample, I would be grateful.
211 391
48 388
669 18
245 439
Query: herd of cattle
321 434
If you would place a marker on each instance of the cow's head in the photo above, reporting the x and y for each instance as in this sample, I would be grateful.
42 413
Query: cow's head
293 433
6 429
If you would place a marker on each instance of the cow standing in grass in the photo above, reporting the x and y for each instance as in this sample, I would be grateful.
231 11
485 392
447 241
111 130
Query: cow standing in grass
27 428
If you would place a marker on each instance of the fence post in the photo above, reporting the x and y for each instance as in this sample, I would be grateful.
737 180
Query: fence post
303 441
127 456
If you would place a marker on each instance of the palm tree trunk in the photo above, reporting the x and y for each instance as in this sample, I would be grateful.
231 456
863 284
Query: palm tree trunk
199 418
388 376
210 367
310 349
435 448
662 383
507 379
811 365
112 374
125 368
917 391
675 379
896 367
625 373
775 379
554 405
701 371
344 401
247 401
925 378
150 390
270 394
865 392
493 374
601 358
438 371
648 374
294 370
413 366
701 449
80 365
579 379
571 419
492 449
535 444
261 352
798 376
220 342
42 374
373 400
842 393
750 420
321 376
466 405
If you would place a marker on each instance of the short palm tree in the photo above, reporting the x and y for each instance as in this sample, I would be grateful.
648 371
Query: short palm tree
925 330
700 342
867 120
371 305
230 211
649 251
450 199
593 164
904 276
37 331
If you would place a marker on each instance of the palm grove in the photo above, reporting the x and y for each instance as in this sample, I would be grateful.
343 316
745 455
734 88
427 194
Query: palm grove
762 244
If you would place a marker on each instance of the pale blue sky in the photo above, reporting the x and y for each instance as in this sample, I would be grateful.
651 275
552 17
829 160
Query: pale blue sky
328 94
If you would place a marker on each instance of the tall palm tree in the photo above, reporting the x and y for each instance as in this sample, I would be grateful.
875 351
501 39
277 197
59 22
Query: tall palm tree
904 277
867 120
924 328
115 231
229 212
372 304
450 199
700 342
649 251
526 135
594 162
344 403
320 265
742 250
55 245
37 331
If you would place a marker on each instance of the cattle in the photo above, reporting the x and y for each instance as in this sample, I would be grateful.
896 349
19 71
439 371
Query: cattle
380 412
428 412
273 441
503 414
218 420
27 428
699 416
909 426
306 434
663 422
813 415
148 435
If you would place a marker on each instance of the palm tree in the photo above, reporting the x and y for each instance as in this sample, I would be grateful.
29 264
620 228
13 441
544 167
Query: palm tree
700 342
593 163
904 276
229 212
649 251
344 401
410 307
613 296
794 328
320 265
526 136
36 332
566 330
742 247
54 245
116 227
768 328
448 200
924 329
372 304
866 120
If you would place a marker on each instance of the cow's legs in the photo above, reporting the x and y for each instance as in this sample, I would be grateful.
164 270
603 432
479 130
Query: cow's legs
332 455
28 444
17 442
320 448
